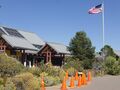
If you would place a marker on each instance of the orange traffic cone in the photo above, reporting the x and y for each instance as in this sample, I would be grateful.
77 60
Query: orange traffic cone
76 76
72 82
64 86
66 76
42 84
79 81
82 80
85 81
89 76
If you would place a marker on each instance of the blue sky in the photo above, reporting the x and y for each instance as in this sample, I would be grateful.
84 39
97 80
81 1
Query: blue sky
59 20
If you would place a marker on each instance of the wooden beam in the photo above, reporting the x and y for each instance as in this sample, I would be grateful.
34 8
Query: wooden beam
47 57
50 57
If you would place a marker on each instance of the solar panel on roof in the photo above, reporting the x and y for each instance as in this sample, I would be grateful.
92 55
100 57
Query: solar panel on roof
1 31
13 32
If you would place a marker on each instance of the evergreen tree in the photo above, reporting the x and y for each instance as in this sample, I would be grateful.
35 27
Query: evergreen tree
81 47
107 51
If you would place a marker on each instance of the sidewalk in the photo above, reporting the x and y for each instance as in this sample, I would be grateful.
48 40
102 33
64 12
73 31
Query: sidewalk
98 83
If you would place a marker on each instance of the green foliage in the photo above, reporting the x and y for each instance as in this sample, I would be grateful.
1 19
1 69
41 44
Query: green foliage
43 74
61 74
2 87
54 71
88 63
108 51
9 66
34 70
71 71
50 80
26 81
1 81
112 66
73 62
81 47
56 80
9 85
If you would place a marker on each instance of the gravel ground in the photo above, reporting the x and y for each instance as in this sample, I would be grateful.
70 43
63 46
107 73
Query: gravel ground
98 83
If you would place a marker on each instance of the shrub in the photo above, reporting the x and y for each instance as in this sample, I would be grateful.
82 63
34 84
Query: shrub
18 83
2 87
50 80
43 74
9 66
112 66
35 71
73 62
61 74
56 80
1 81
9 85
32 85
26 81
54 71
71 71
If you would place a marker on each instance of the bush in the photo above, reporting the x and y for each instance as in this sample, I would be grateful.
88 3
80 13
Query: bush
56 80
50 80
73 62
87 63
112 66
43 74
1 81
35 71
26 81
54 71
71 71
9 66
9 85
61 74
2 87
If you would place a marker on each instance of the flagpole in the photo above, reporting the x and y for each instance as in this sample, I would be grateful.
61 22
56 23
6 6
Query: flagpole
103 27
103 30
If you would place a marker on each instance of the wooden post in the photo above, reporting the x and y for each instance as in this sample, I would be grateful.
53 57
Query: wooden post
63 57
50 57
47 57
24 58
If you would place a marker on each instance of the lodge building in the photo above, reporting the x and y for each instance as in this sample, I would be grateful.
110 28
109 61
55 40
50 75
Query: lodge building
29 48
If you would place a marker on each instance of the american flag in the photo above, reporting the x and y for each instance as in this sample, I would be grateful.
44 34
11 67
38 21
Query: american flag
96 9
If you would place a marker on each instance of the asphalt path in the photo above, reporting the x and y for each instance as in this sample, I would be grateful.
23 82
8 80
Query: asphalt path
97 83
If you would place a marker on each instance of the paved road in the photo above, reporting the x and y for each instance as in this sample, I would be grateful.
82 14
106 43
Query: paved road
98 83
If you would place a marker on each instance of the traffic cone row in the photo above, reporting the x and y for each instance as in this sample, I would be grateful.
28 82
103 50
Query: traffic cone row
82 80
